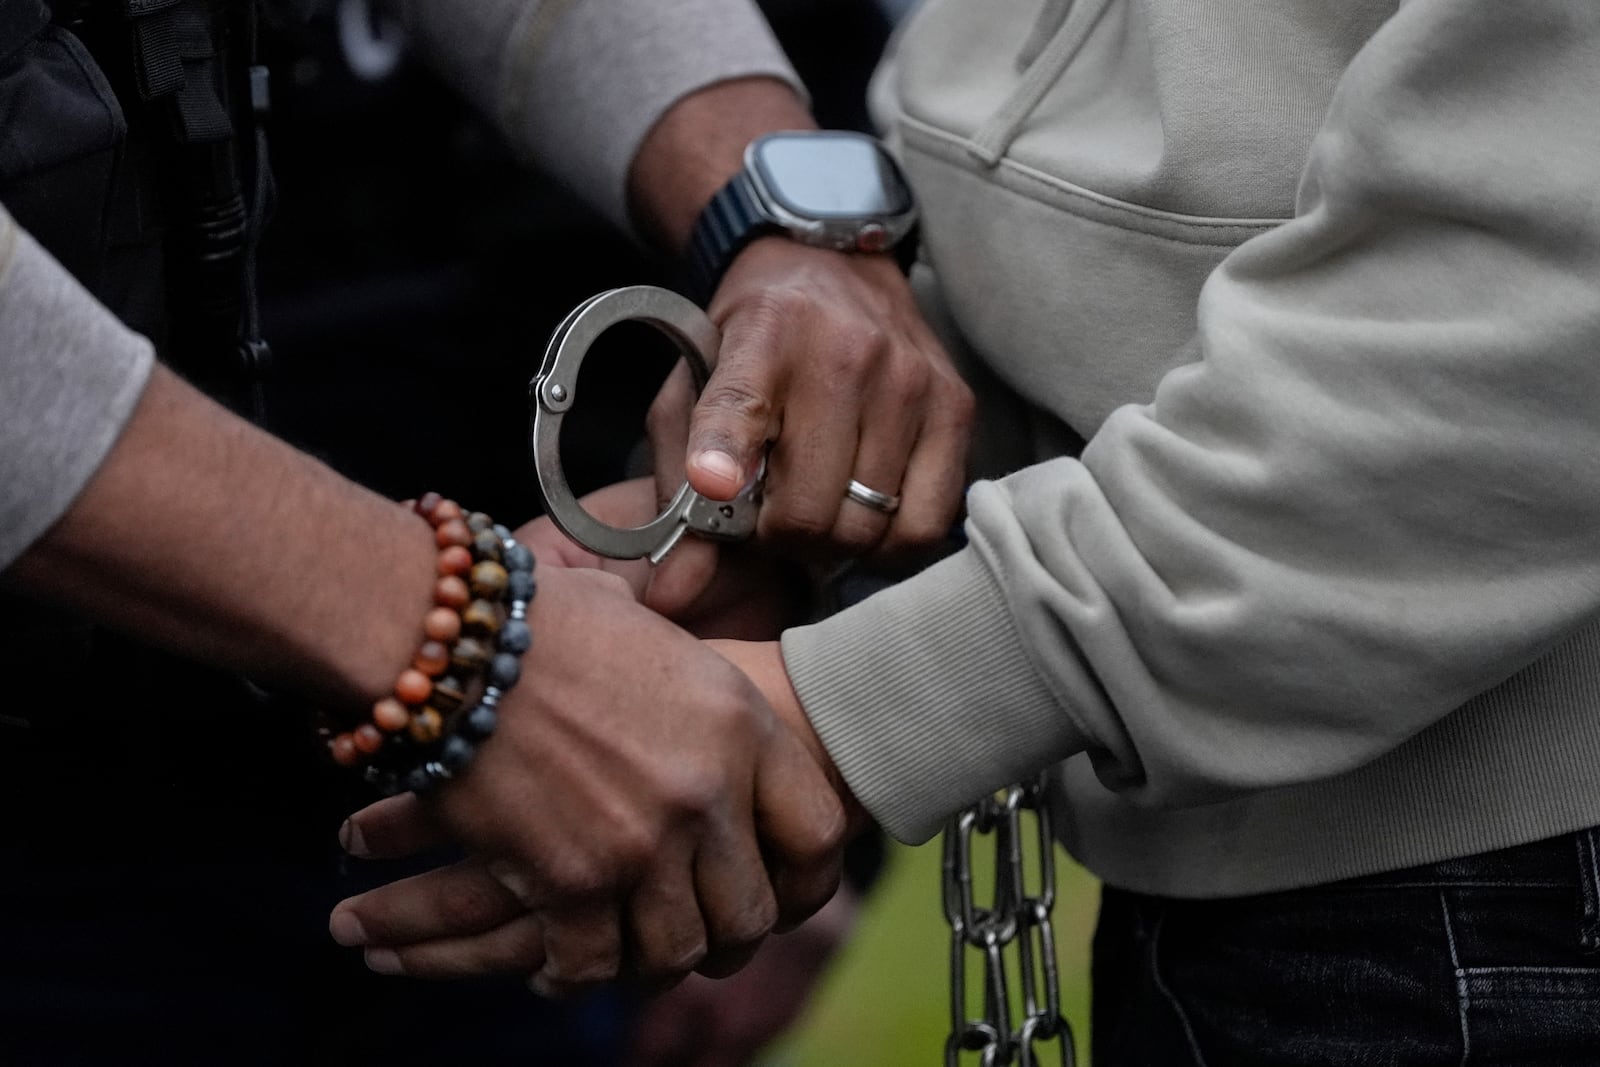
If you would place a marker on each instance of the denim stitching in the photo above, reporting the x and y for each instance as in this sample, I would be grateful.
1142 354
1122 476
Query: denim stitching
1463 997
1161 986
1513 970
1589 895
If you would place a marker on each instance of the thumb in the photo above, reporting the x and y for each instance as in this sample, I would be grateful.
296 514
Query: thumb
737 413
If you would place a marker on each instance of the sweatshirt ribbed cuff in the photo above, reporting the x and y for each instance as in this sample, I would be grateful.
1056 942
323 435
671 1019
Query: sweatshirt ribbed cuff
924 697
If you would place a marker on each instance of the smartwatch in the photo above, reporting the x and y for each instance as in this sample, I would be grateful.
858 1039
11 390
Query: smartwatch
825 188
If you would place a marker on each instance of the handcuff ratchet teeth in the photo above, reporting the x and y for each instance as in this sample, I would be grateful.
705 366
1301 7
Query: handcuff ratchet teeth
553 391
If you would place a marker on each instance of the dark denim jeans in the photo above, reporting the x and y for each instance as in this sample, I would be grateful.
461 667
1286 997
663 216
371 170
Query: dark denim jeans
1489 960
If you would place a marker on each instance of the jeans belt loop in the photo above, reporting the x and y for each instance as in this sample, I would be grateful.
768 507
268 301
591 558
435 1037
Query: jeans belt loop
1589 891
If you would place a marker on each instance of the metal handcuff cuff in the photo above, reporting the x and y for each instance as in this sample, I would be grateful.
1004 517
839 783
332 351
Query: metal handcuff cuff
553 391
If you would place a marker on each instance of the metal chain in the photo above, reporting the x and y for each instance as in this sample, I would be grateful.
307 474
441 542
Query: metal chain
1014 923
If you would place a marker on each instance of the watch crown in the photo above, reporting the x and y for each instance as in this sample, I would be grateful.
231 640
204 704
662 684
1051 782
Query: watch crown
873 237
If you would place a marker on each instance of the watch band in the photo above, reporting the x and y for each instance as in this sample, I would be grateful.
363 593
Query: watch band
732 219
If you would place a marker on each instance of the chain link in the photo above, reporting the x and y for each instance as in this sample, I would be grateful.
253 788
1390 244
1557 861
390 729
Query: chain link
1013 924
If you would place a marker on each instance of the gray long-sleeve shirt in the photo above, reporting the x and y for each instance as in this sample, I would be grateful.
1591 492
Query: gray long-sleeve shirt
573 86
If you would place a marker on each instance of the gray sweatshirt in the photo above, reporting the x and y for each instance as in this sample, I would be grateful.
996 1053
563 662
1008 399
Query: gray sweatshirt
1319 287
1322 288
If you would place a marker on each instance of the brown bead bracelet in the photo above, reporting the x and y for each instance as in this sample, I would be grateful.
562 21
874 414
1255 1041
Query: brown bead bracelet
473 638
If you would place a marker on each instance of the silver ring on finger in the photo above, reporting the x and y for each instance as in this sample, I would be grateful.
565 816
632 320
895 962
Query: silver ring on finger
869 497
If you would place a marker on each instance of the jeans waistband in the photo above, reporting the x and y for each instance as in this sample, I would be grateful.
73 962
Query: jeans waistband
1565 860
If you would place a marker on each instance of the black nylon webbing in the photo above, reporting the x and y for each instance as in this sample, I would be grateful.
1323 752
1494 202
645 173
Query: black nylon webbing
174 54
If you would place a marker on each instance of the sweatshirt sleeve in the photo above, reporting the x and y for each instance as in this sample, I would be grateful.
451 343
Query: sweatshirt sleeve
1373 493
70 376
575 85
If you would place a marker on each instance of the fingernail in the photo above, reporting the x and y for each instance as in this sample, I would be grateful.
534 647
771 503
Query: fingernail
543 986
511 878
384 961
720 464
346 929
351 841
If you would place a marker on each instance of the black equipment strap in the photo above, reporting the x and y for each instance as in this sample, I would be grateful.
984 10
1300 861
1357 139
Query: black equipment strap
175 53
196 59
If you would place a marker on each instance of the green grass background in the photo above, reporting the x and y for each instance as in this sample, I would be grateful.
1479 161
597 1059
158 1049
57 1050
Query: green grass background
884 1003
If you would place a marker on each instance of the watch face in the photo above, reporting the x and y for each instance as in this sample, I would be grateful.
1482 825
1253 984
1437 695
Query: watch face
830 175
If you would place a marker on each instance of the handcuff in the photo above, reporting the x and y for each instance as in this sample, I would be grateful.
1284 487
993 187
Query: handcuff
553 391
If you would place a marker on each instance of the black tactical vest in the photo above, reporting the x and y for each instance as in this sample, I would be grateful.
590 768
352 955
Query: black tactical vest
130 148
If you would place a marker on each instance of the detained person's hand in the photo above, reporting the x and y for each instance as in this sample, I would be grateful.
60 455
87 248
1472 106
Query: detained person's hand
825 356
639 810
726 1023
710 589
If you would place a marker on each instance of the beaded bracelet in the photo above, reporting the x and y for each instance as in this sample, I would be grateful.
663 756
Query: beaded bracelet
484 586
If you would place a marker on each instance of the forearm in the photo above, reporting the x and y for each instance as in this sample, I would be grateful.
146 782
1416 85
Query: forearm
190 527
205 535
698 145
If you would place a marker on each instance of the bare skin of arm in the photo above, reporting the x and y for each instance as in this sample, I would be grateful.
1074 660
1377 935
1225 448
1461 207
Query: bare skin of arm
207 536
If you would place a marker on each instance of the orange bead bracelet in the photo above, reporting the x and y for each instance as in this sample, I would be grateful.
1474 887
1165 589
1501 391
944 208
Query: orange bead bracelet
471 640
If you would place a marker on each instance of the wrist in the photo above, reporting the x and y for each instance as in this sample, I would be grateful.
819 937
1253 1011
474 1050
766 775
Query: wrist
426 728
368 658
698 146
762 663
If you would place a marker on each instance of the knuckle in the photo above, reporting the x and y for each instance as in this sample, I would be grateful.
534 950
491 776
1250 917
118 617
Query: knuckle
733 396
753 922
672 960
909 384
576 875
855 351
693 793
633 830
819 842
959 404
632 848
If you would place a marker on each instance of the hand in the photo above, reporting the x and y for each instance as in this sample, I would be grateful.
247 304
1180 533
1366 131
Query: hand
633 798
710 589
725 1023
762 663
826 355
